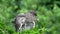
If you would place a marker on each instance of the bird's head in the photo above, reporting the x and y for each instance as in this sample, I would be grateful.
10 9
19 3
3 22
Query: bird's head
33 12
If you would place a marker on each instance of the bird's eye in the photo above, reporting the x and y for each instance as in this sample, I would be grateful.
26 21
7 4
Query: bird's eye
35 14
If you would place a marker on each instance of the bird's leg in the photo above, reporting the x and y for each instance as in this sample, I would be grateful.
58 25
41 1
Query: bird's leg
25 25
20 27
33 24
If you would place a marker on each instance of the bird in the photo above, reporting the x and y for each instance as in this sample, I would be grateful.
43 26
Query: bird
25 21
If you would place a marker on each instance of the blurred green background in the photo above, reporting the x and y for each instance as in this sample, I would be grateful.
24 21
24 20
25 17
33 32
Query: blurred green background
48 12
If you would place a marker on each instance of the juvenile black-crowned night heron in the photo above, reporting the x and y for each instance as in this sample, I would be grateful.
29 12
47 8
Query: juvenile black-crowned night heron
25 21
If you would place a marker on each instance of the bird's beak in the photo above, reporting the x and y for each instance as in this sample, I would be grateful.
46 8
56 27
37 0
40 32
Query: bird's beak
37 19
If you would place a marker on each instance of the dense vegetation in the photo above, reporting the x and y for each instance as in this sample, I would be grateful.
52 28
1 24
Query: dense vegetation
48 12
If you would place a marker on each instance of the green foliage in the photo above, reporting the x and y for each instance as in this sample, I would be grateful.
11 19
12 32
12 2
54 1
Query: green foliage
48 13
